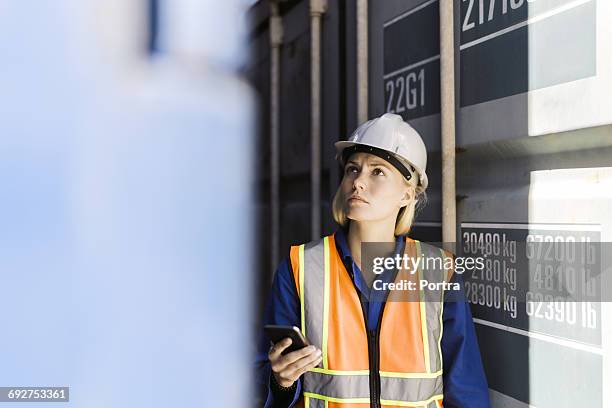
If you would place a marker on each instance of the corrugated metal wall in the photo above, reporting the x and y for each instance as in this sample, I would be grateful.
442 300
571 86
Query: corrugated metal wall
338 117
534 126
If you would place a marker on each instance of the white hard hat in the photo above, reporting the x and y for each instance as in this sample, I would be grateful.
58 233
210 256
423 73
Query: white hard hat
389 137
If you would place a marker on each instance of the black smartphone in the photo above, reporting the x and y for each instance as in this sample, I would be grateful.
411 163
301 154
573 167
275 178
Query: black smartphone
276 333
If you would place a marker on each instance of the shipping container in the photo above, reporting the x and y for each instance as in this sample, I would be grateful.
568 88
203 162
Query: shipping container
533 161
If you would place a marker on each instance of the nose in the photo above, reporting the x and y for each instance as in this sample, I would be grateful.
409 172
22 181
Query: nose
359 182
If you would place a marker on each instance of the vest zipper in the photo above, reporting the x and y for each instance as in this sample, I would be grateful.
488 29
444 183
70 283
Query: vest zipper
373 340
372 349
372 360
374 353
374 374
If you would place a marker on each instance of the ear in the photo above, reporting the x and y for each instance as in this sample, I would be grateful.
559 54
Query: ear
406 198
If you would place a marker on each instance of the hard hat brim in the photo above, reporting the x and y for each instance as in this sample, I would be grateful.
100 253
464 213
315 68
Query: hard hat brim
343 144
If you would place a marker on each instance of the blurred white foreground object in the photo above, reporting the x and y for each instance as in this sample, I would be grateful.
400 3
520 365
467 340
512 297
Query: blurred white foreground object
125 202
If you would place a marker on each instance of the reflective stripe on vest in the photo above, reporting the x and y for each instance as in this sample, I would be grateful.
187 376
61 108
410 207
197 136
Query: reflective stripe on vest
332 320
311 400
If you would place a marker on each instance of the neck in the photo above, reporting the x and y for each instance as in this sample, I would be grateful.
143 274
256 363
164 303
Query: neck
364 231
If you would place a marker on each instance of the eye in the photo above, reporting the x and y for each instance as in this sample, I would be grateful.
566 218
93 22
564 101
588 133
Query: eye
351 169
378 172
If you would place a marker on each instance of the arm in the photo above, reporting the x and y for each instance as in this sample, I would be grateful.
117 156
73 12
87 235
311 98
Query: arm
282 308
465 384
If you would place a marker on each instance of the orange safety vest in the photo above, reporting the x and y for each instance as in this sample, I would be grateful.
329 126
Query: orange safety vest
404 359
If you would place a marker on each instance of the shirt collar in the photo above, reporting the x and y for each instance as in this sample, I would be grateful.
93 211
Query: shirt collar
342 243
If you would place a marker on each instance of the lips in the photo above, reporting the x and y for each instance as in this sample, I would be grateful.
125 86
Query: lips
357 198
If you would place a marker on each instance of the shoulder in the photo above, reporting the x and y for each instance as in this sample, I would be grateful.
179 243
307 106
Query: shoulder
438 250
313 243
315 248
284 277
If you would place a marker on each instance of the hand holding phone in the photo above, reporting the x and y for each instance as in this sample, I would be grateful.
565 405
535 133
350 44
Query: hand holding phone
290 356
277 333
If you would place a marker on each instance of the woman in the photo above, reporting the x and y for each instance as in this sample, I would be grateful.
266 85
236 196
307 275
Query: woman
367 350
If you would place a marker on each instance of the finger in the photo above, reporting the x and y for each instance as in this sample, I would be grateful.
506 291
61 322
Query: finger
283 361
296 355
278 348
313 362
296 369
300 372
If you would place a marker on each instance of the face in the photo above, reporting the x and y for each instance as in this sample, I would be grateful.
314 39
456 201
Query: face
372 189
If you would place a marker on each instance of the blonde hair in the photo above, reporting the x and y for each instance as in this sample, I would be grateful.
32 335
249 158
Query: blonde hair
405 216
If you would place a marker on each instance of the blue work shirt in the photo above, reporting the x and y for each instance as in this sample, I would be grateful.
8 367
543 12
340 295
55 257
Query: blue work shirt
465 384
